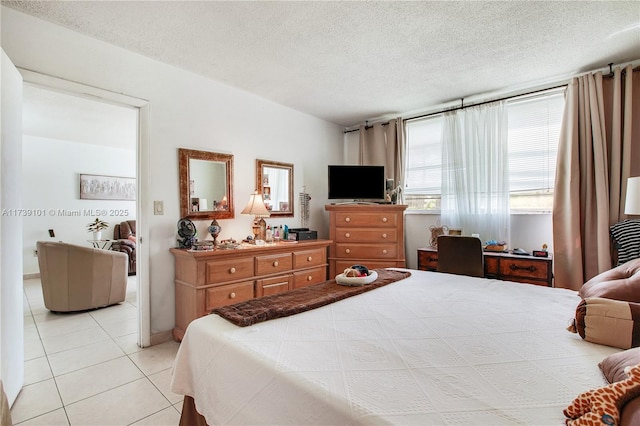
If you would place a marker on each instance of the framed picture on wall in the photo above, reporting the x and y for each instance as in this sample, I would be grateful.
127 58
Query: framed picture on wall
98 187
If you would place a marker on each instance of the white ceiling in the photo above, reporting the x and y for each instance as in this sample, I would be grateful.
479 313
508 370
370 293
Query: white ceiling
352 61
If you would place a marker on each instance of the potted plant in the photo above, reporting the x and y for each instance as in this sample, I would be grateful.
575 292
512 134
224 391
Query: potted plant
96 227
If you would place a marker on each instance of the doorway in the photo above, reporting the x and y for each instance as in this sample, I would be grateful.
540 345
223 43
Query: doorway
84 130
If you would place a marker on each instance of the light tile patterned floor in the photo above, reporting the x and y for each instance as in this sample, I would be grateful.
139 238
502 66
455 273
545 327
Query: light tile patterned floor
86 369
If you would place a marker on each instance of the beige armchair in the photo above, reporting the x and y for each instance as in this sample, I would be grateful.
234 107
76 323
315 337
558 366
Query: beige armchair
76 278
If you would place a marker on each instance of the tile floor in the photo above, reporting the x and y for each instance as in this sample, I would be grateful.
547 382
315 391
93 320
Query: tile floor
86 368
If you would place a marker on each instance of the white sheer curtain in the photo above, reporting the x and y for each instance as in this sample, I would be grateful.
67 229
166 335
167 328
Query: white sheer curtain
475 168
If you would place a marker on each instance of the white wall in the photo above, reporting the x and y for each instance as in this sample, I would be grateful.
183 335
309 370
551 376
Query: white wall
11 294
187 111
51 171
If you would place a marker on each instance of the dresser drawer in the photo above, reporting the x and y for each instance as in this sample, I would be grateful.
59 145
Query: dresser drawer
274 285
309 277
350 219
366 235
273 264
309 258
366 251
527 268
229 270
427 260
491 266
228 294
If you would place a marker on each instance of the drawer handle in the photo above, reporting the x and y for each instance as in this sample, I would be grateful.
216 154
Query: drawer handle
232 270
432 259
232 295
522 268
384 235
309 278
347 219
384 251
384 219
347 235
347 251
275 264
309 259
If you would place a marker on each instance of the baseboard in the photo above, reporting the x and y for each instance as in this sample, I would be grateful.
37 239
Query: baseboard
161 337
31 276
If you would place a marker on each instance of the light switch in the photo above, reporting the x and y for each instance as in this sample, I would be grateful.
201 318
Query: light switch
158 207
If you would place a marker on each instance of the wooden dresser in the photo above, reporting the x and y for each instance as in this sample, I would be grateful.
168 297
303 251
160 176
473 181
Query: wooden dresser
502 266
366 234
205 280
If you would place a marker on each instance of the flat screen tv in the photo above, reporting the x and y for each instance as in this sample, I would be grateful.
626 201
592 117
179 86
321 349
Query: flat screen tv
356 183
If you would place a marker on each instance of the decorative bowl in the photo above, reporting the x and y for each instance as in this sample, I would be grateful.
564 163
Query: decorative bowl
356 281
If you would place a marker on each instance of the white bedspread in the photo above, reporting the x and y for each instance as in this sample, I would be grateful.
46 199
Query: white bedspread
431 349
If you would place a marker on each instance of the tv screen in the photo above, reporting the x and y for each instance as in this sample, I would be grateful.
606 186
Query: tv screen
356 182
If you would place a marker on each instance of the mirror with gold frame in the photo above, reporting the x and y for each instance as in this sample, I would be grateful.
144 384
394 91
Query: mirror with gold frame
206 184
274 180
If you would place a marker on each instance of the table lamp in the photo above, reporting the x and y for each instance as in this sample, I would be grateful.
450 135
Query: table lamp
632 202
256 207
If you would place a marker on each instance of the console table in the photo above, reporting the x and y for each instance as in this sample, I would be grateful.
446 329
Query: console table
502 266
205 280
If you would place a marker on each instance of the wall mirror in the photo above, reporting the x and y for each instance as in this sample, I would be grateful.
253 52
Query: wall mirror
274 180
206 184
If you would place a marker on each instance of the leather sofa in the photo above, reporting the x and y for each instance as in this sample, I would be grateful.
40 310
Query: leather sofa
77 278
124 235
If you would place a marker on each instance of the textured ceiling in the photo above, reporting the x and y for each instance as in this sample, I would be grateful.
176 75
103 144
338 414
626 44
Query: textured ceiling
348 62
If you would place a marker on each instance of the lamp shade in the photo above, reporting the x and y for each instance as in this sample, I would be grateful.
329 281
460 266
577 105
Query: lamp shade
632 203
256 207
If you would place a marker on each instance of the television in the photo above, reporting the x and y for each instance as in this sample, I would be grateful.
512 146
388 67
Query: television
357 183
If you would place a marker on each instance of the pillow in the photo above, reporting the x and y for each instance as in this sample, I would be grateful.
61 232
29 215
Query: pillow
613 366
620 283
608 322
604 405
631 413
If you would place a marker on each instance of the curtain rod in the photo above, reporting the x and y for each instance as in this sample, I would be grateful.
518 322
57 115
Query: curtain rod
610 75
505 98
366 126
462 106
484 102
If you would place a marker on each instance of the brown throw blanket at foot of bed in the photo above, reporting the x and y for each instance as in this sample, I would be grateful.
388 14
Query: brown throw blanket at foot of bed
299 300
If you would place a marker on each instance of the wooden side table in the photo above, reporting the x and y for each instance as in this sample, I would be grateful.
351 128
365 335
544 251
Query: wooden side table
502 266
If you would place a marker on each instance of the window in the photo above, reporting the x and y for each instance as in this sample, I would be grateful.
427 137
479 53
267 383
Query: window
534 130
424 157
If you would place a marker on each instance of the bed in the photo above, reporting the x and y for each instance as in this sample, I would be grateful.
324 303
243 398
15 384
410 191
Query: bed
433 348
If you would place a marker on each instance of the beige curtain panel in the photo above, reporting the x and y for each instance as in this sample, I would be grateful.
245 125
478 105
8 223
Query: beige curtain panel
599 149
383 145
